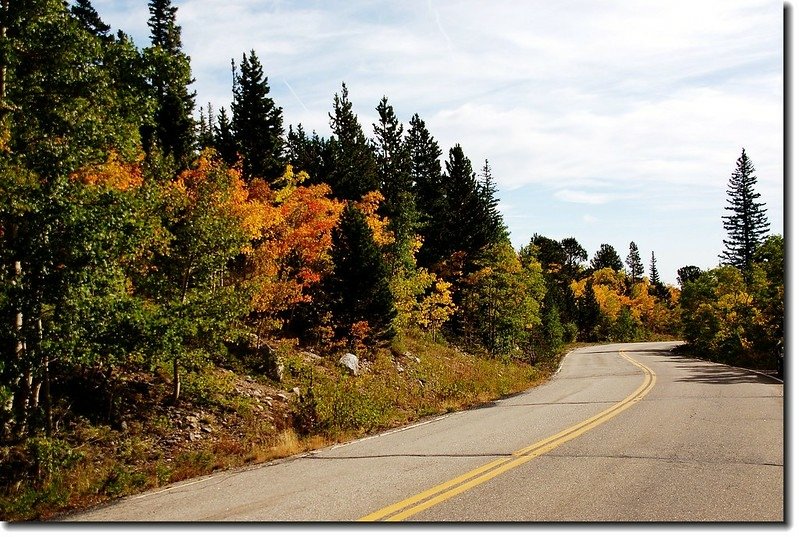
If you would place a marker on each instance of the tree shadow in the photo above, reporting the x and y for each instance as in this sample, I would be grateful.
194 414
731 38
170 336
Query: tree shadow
711 373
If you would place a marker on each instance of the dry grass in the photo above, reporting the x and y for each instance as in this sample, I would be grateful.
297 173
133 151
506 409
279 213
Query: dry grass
413 380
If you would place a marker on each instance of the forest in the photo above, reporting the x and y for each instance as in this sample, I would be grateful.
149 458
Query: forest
141 234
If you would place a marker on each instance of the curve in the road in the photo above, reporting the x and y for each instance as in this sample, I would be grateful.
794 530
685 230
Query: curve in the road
440 493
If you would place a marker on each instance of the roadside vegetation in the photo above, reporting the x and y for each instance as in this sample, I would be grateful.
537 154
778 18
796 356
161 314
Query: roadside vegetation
179 287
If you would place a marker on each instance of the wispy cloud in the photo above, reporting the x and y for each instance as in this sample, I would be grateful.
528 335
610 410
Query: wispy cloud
580 102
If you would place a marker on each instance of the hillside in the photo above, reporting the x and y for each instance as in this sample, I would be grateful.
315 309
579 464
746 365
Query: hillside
233 414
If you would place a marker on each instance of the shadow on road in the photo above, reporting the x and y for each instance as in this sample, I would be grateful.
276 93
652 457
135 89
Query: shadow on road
710 373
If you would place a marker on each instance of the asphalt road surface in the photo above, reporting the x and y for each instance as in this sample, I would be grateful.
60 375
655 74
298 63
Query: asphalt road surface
625 432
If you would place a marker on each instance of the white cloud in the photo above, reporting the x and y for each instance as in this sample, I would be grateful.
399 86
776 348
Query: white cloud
645 102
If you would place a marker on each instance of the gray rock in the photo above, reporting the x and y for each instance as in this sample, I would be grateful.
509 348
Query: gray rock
410 356
296 391
350 362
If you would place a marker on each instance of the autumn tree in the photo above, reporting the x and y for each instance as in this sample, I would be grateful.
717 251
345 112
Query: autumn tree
196 305
746 225
257 122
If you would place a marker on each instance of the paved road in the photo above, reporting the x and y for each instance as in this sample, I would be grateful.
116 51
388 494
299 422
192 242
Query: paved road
622 433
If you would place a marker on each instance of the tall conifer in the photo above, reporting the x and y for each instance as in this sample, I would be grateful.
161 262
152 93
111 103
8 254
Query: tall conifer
173 128
353 170
257 121
747 225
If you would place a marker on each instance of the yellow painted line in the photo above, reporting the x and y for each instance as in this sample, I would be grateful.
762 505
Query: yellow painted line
440 493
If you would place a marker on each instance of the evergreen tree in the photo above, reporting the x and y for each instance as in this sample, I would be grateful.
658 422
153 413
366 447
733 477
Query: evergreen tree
308 153
358 288
257 122
635 263
575 255
394 175
205 128
463 220
747 225
490 203
173 128
606 257
84 11
224 142
688 274
654 276
353 170
588 313
426 177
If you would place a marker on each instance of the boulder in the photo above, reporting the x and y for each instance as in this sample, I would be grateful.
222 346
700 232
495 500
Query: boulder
350 362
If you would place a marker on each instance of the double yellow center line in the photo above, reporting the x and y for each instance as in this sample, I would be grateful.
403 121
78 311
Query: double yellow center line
440 493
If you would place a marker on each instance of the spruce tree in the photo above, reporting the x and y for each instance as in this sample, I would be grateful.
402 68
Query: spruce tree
394 175
257 122
427 180
173 128
358 289
635 263
747 225
654 276
353 170
487 188
84 11
224 141
308 153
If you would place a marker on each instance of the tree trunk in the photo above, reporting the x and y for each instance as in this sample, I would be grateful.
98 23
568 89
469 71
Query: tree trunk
175 380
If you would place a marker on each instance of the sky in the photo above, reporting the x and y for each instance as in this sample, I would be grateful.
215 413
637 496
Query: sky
610 122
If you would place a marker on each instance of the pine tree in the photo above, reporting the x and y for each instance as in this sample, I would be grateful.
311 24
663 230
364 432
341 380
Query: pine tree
747 225
427 180
688 274
358 288
257 122
487 189
394 175
308 153
462 222
173 128
353 170
606 257
654 276
224 142
635 263
90 19
588 312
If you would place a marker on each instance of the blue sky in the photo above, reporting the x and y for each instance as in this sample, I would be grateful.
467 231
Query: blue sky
611 121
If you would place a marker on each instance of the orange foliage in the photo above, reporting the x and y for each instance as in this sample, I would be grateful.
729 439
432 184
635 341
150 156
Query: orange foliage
292 230
113 174
369 205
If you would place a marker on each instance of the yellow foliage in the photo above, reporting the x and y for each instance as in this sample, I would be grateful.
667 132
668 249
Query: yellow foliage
368 205
113 173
